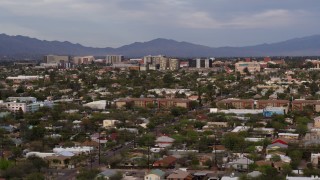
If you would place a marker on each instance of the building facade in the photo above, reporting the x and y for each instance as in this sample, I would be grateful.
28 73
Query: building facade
83 60
56 59
252 67
114 59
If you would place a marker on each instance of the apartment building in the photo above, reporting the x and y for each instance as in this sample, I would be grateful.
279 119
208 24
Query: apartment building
251 103
154 60
299 104
262 104
26 104
164 63
236 103
174 64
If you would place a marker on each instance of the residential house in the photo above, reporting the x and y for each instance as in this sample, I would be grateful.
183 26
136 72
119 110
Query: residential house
107 174
289 136
58 162
240 164
315 159
317 122
155 174
164 141
108 123
166 162
275 147
180 175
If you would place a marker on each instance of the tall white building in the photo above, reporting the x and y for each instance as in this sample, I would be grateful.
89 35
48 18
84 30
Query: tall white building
114 59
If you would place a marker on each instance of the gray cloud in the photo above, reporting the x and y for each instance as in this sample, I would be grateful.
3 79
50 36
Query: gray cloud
117 22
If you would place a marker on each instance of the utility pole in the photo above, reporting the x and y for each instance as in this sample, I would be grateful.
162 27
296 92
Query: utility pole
99 153
148 156
215 149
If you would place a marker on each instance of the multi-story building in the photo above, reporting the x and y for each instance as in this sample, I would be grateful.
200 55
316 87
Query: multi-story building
25 104
203 63
174 64
236 103
261 104
164 63
83 59
114 59
21 78
316 123
152 102
252 67
22 99
15 106
251 103
56 59
154 60
300 104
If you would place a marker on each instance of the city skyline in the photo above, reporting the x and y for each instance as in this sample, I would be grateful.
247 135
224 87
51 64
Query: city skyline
116 23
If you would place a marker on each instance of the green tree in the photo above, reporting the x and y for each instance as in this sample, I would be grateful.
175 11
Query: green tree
35 176
233 141
117 176
38 163
86 174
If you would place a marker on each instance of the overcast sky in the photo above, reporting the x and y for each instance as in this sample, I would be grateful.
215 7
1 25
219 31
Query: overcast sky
113 23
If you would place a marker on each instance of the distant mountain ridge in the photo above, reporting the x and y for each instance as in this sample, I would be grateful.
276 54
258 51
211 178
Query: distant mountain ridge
23 46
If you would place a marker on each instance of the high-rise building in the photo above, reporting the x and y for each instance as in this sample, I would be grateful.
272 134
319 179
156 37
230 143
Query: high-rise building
83 59
56 59
174 64
155 60
203 63
114 59
164 63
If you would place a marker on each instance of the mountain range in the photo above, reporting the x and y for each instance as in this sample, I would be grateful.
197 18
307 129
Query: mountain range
26 47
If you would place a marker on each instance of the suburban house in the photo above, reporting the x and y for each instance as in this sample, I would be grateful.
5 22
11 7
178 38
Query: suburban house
155 174
180 175
164 141
168 161
240 164
275 147
107 174
108 123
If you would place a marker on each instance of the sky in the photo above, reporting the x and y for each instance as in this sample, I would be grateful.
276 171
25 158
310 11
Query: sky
113 23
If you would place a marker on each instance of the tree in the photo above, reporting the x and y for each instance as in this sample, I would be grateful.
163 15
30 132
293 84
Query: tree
233 141
177 111
146 140
20 90
275 158
38 163
246 70
268 171
35 176
87 174
4 164
296 156
117 176
286 169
